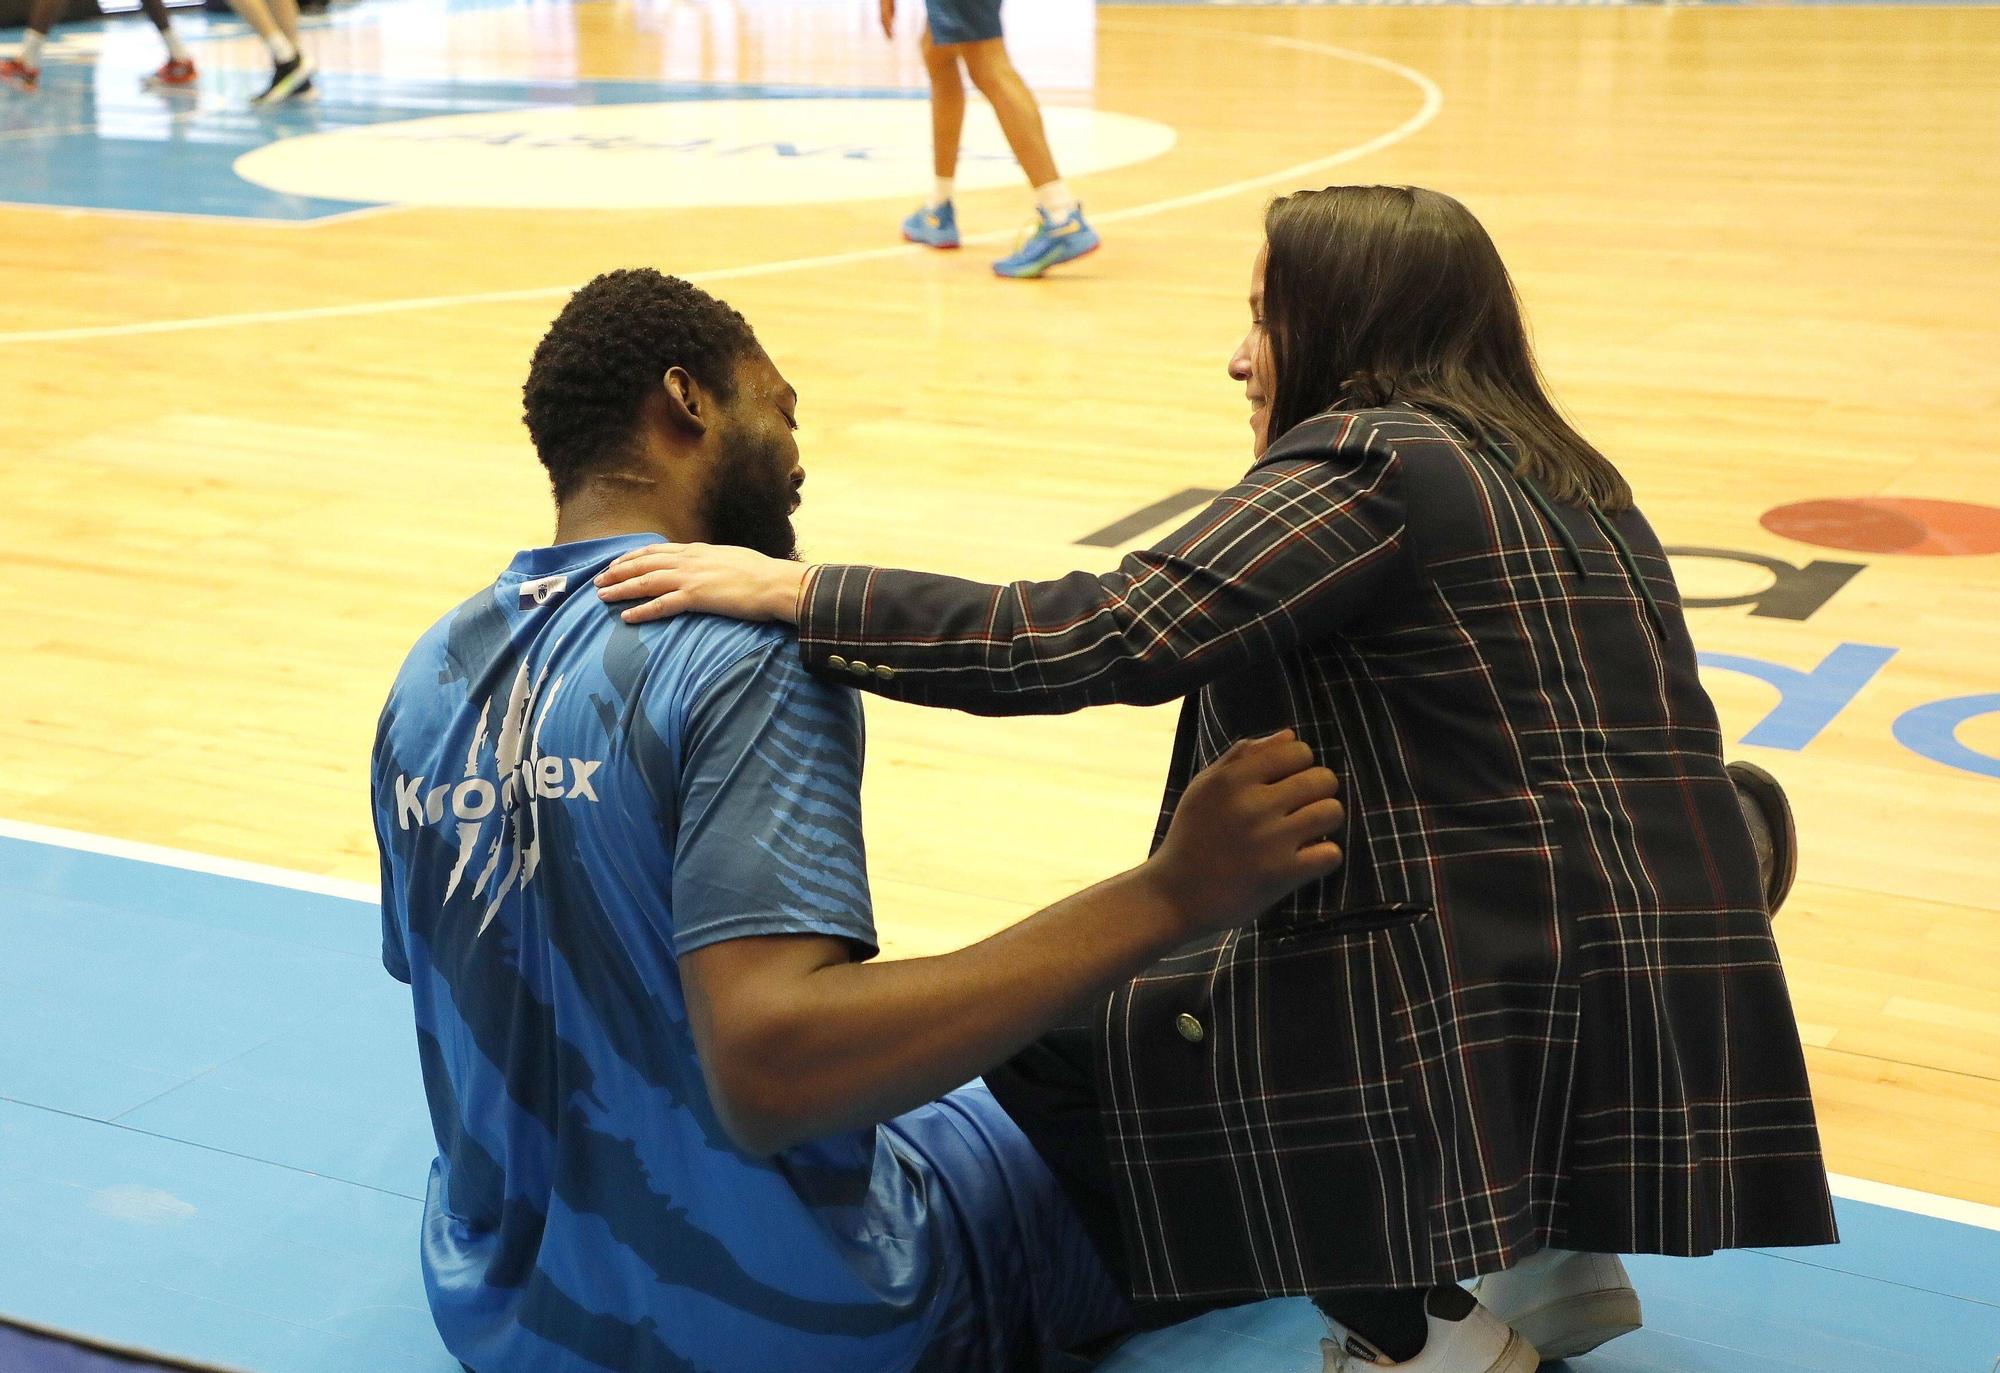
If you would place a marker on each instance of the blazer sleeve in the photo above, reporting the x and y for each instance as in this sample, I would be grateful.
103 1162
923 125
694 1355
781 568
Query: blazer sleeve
1298 549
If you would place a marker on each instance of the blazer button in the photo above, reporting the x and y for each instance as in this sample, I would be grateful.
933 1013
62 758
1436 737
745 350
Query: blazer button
858 668
1190 1028
836 662
884 671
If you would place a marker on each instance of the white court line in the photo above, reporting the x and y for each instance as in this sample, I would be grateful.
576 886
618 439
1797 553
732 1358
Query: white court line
189 861
1917 1203
1854 1189
1433 101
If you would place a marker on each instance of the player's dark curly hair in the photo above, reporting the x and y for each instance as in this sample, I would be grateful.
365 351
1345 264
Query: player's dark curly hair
615 338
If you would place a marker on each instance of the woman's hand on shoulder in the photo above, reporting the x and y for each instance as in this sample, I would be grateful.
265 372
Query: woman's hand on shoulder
667 579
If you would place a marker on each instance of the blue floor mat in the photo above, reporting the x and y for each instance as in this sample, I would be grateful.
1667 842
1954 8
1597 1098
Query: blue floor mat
213 1146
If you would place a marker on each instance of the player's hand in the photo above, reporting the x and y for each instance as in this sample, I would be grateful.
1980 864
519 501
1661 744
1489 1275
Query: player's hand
888 18
667 579
1251 827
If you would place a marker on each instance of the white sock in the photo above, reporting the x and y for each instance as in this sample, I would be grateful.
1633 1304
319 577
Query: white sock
1055 199
31 50
282 50
941 189
176 50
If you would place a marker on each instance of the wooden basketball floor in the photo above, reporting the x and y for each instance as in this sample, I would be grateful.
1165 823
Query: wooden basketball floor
255 440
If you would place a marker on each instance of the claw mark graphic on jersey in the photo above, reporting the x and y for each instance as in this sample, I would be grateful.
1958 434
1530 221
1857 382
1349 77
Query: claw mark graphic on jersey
506 784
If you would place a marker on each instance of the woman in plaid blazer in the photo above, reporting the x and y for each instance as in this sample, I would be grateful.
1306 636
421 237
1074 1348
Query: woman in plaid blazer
1539 1011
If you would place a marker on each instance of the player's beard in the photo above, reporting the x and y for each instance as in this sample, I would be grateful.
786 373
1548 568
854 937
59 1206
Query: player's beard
750 497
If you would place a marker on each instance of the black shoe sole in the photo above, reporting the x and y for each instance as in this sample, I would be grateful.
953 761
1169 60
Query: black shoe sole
1768 796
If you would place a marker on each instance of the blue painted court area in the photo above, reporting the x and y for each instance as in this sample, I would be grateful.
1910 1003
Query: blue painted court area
213 1146
91 138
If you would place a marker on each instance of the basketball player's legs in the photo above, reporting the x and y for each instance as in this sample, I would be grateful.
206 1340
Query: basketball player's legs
179 69
935 223
1027 1281
24 72
993 72
277 23
1061 234
947 108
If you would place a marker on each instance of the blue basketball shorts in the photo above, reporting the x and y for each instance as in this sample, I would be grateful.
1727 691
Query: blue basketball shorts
963 21
1022 1283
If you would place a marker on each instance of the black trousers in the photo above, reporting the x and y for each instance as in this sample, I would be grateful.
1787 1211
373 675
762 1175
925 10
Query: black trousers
1050 1090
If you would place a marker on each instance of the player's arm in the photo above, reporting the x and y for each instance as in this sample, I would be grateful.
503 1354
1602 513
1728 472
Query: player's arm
797 1039
1300 548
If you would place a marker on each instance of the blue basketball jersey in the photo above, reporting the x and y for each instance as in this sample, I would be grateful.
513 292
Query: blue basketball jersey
565 805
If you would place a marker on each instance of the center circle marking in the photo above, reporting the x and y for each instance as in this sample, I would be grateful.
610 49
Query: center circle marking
677 154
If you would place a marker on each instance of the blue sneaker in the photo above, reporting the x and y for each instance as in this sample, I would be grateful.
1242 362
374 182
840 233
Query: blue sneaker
1051 243
934 228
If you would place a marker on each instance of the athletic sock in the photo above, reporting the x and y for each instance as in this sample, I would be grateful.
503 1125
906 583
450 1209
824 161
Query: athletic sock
282 51
1055 199
941 189
176 50
1450 1302
1391 1320
31 50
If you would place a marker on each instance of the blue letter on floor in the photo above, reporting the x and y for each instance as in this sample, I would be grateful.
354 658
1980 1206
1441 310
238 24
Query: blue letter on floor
1932 731
1807 701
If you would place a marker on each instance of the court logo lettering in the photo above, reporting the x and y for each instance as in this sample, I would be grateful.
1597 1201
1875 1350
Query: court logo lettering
1810 698
675 154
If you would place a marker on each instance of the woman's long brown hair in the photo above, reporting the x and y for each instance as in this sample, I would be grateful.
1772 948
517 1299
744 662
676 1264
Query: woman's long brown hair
1379 294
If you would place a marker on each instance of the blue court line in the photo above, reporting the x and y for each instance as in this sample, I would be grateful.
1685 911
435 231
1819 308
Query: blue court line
213 1145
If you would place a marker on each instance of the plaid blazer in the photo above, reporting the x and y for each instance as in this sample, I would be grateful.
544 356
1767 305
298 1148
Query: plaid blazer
1539 1004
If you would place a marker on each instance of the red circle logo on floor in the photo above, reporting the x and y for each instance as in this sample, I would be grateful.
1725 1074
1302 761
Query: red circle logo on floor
1890 524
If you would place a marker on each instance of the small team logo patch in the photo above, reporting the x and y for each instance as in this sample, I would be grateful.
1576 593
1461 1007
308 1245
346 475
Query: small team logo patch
543 590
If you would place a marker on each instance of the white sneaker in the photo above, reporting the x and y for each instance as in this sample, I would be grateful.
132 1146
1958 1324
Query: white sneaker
1477 1342
1567 1303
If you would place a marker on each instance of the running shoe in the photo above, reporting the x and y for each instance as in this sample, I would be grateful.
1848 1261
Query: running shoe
1050 243
1565 1303
934 227
1460 1336
19 76
176 75
291 80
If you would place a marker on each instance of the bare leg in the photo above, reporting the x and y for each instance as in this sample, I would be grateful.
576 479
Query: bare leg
286 12
24 71
1020 117
947 105
257 15
44 15
156 11
276 22
180 62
